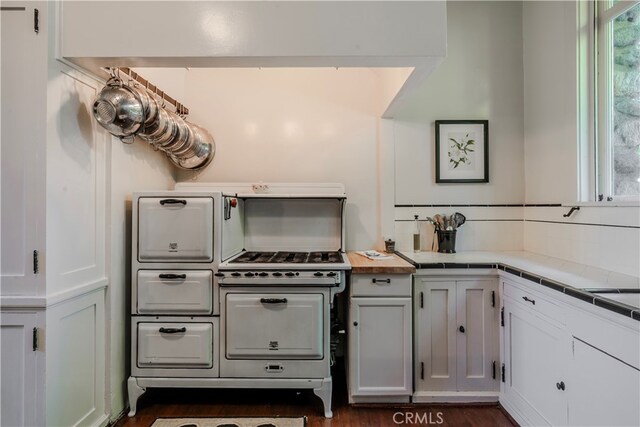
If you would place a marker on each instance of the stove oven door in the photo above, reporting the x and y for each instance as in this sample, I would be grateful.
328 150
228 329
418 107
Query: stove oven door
175 229
274 326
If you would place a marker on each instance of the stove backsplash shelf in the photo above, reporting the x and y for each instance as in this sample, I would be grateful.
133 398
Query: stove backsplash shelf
280 217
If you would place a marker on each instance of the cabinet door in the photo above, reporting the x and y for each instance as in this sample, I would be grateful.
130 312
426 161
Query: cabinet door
380 346
436 329
536 354
24 79
22 403
477 345
603 390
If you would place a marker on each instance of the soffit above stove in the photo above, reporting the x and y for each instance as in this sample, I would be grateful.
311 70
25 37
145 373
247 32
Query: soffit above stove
378 34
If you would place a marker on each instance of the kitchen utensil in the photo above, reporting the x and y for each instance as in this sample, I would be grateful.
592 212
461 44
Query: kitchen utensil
118 109
459 219
205 149
149 105
439 219
159 129
447 241
180 137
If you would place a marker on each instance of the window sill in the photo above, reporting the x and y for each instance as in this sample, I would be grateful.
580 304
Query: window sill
606 204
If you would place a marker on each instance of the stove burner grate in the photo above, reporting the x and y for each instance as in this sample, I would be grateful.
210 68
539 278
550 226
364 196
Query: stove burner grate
288 258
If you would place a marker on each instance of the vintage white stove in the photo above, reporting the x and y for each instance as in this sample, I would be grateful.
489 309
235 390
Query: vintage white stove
233 286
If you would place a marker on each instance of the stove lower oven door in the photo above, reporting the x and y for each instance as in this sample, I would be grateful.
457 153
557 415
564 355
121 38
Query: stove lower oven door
174 347
275 333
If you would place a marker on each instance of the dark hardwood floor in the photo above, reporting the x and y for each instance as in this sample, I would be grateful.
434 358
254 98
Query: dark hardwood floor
238 402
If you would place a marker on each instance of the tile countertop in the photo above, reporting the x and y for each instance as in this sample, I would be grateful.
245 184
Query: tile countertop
567 273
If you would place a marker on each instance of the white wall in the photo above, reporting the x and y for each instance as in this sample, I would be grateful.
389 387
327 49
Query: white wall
135 167
294 125
550 109
481 78
602 237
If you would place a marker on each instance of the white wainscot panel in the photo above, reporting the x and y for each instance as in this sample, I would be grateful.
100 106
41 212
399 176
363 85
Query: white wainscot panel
76 182
76 361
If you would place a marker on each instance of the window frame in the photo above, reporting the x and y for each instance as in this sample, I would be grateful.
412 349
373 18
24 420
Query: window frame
604 13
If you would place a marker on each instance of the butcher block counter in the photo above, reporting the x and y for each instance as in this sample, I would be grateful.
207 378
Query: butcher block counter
363 265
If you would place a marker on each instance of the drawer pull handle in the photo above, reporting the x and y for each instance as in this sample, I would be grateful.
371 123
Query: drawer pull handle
172 330
532 301
273 300
173 202
381 280
461 329
172 276
560 385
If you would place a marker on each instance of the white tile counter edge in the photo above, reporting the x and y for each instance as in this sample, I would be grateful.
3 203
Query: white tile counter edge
555 269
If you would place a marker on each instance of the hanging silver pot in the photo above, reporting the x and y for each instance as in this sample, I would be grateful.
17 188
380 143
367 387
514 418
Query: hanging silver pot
204 149
118 109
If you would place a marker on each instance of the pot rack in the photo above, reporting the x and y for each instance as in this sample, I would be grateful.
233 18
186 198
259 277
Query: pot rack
150 87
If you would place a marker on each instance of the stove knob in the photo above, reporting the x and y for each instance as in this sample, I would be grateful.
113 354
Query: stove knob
263 274
235 274
277 274
331 274
219 274
290 273
249 274
318 274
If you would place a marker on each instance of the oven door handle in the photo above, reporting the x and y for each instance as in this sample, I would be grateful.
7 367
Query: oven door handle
172 330
273 300
173 202
171 276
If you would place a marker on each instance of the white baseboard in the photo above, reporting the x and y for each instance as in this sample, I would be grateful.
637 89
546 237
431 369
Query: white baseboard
455 397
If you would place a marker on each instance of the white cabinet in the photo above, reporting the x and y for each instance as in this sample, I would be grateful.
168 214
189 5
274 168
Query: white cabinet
21 370
536 356
603 390
380 341
380 346
23 159
457 348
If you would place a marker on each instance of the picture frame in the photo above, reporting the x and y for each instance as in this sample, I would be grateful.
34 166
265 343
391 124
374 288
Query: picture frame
462 151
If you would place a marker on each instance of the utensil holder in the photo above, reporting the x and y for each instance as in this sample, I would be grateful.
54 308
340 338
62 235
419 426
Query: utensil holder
447 241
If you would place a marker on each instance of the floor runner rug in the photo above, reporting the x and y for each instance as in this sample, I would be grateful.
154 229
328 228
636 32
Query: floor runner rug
231 422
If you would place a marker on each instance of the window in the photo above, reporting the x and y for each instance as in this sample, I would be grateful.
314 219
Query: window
618 100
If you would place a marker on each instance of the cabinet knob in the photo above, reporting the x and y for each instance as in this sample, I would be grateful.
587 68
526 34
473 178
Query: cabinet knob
461 329
560 385
355 323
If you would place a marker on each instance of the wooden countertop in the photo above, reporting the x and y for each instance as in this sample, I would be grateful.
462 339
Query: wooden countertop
363 265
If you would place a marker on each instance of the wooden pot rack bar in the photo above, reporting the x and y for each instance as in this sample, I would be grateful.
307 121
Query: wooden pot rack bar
180 109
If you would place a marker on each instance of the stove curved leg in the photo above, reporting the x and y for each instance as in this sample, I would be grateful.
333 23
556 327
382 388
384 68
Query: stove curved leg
324 393
135 391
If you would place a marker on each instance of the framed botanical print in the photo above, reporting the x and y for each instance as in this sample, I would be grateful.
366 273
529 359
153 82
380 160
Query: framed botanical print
462 151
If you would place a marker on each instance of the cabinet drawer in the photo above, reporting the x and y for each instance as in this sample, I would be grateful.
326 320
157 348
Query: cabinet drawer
534 301
397 285
175 229
174 292
175 345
